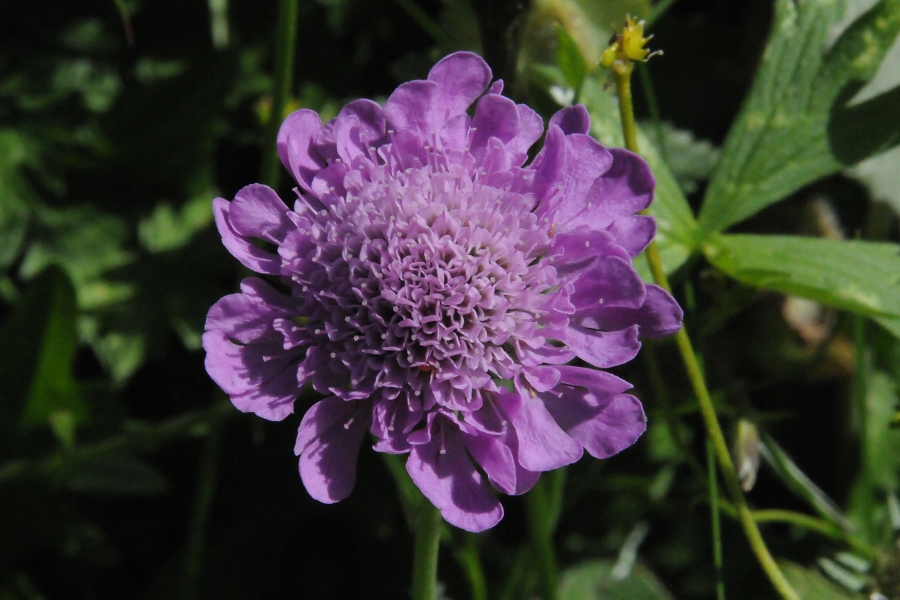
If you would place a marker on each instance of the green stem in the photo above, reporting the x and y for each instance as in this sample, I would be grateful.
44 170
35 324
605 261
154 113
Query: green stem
860 393
285 45
692 365
653 106
467 556
425 22
539 505
622 73
661 394
206 492
716 521
814 524
425 559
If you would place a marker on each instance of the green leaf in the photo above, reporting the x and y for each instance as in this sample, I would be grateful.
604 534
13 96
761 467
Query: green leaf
115 475
86 244
594 581
795 126
569 59
810 584
691 160
16 194
863 277
169 228
38 346
677 234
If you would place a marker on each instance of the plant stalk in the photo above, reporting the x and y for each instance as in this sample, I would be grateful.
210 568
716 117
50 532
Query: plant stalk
622 74
425 559
285 45
541 517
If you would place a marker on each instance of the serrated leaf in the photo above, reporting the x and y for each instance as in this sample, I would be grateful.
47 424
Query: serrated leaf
677 233
114 475
810 584
859 276
594 581
795 125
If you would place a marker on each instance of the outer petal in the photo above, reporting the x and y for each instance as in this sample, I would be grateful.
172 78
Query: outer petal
576 250
296 145
444 472
249 317
258 212
633 233
496 458
610 282
603 349
604 431
461 78
240 246
415 105
330 436
658 316
624 189
572 119
259 378
495 117
543 446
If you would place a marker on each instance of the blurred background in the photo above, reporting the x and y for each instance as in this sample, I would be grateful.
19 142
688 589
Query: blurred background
124 471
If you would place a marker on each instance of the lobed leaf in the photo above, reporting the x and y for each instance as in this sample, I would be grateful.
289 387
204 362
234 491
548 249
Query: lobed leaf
863 277
796 125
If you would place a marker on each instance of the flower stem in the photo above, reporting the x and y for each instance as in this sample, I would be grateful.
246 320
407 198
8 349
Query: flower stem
622 74
285 45
716 522
425 559
541 517
862 410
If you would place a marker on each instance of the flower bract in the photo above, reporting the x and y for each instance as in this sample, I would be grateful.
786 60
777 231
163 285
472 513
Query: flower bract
451 299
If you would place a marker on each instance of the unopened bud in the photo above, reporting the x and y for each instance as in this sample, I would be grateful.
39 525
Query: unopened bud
746 453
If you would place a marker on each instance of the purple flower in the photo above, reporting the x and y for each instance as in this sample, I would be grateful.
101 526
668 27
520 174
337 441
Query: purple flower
434 288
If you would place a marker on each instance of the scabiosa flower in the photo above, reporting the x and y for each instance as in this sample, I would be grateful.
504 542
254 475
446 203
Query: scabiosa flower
435 286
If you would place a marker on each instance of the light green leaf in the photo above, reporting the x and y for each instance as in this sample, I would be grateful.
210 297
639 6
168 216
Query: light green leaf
569 59
169 228
594 581
796 125
86 244
811 585
859 276
15 194
677 234
691 160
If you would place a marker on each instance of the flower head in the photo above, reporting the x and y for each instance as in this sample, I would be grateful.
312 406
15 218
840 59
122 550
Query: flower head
434 286
627 46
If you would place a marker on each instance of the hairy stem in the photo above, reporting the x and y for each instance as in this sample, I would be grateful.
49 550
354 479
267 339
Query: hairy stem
692 365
